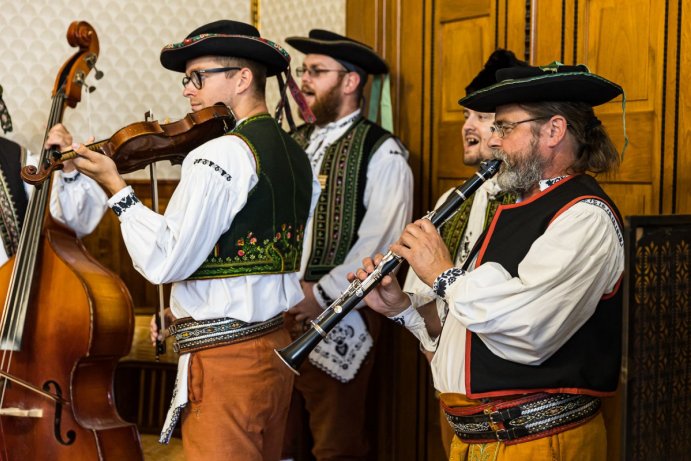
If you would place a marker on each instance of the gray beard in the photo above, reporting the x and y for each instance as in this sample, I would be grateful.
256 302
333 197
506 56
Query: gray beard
522 175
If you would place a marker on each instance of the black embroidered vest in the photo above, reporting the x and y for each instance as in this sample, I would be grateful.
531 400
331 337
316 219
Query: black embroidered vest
13 199
589 361
340 208
266 236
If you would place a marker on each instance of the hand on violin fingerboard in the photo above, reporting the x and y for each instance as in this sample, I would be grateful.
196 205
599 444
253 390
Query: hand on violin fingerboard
99 167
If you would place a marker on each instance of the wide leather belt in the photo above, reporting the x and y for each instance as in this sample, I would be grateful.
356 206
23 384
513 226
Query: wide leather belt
192 335
522 419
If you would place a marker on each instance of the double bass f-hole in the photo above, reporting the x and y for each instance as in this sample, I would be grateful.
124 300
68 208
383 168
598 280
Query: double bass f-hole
71 435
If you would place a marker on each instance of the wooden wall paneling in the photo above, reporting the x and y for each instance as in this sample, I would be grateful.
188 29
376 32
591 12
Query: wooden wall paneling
549 37
674 193
683 156
463 38
515 22
400 382
639 28
618 41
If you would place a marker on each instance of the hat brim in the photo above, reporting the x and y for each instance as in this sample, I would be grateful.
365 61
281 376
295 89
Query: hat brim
175 56
561 87
344 50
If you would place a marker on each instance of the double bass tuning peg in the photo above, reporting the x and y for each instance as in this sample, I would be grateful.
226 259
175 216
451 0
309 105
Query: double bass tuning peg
98 75
91 61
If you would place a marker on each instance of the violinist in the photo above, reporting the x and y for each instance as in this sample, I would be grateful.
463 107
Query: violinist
230 242
76 201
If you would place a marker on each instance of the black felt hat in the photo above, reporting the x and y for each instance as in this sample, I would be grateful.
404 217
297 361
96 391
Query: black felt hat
226 38
340 48
554 82
499 59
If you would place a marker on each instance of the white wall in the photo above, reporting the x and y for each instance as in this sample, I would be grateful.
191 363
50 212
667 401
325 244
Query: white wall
131 34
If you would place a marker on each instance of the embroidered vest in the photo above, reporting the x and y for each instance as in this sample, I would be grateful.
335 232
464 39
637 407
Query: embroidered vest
340 208
266 235
453 230
589 361
13 199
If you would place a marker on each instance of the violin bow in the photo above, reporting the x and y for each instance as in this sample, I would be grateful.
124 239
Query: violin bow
160 312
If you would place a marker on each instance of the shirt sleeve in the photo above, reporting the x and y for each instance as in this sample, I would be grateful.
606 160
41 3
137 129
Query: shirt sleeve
527 318
214 184
76 201
389 206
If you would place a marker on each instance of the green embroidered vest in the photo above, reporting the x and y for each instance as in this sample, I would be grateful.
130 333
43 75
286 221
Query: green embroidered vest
340 208
453 230
266 236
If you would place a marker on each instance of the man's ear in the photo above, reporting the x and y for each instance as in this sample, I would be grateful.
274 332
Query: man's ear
351 82
557 127
244 79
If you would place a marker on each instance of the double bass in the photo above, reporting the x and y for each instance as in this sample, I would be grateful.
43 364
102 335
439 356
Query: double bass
66 322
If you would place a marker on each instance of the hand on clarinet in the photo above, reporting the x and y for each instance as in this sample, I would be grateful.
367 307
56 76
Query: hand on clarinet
387 298
423 248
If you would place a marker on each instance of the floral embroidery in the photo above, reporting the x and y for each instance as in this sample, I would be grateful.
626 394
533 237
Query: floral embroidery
445 280
120 207
252 256
216 168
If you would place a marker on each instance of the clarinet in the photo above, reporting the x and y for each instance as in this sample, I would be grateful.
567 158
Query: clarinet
295 353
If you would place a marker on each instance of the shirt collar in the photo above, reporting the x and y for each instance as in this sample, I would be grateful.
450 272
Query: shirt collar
341 122
545 183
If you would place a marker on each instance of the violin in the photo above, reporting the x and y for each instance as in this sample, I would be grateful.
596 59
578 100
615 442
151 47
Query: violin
142 143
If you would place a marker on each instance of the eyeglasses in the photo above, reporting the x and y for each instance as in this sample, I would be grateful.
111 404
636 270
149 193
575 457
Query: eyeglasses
501 129
315 72
196 76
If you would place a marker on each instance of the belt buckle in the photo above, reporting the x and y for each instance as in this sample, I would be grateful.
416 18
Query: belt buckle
493 424
502 435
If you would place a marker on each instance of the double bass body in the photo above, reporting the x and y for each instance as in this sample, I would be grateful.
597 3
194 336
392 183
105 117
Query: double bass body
79 323
66 322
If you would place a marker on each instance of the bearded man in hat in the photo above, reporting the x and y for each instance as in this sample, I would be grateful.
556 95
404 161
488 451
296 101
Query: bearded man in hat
366 201
230 242
533 325
462 230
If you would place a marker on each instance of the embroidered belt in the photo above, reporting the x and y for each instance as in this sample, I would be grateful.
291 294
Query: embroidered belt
519 420
192 335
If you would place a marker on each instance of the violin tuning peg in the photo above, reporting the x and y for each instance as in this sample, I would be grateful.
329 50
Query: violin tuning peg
91 89
99 74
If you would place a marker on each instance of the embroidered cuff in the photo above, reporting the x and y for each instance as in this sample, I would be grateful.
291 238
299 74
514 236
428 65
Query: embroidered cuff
413 321
445 279
71 176
409 317
123 204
